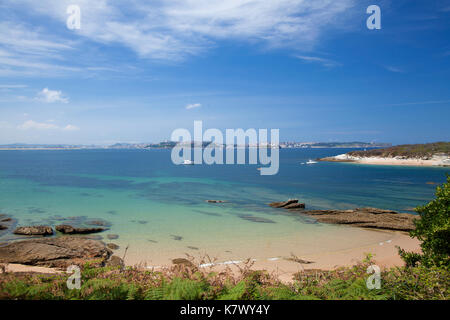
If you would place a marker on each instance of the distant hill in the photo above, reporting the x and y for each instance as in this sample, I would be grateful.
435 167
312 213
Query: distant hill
407 150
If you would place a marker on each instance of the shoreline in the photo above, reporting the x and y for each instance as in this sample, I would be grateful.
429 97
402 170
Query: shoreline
438 162
385 256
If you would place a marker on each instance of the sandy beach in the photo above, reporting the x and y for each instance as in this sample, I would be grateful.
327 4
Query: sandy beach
435 161
384 252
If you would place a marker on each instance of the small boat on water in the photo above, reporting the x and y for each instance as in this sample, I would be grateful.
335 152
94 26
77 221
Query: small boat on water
188 162
311 161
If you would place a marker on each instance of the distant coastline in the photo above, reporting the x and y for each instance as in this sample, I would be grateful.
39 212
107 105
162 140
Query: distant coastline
171 144
423 155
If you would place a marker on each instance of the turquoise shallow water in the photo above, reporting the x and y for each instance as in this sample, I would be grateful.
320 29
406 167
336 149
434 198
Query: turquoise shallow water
159 210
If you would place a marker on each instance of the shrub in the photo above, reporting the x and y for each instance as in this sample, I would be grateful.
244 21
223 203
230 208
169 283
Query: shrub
433 230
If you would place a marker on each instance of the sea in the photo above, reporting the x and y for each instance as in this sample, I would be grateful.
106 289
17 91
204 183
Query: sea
159 211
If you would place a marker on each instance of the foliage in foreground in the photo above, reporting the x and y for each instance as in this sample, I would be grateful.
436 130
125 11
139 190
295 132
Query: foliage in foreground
189 283
433 230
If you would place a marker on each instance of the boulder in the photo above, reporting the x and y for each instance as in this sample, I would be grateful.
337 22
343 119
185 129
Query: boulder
54 252
183 261
283 204
112 246
2 227
115 261
215 201
68 229
34 231
296 205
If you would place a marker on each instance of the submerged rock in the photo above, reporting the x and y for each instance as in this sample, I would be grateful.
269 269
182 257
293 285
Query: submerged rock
112 236
67 229
54 252
2 227
251 218
34 231
215 201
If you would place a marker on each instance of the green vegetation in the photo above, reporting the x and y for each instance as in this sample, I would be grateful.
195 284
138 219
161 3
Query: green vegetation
433 230
187 284
425 276
407 150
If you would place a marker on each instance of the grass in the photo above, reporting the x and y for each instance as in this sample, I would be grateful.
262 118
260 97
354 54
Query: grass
191 283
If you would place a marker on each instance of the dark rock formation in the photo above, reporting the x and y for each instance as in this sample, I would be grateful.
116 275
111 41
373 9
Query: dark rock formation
112 246
34 231
98 222
2 227
183 261
112 236
215 201
67 229
289 204
366 218
115 261
54 252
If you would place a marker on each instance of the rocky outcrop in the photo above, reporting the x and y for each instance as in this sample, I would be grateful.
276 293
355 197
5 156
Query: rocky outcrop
54 252
34 231
183 262
289 204
115 261
68 229
215 201
112 246
366 218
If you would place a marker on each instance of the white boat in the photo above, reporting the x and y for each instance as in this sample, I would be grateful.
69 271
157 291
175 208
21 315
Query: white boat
188 162
311 161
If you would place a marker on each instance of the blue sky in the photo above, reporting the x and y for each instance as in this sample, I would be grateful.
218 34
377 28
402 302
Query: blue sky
137 70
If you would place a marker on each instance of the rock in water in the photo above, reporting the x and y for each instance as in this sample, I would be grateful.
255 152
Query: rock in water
67 229
34 231
284 204
54 252
366 218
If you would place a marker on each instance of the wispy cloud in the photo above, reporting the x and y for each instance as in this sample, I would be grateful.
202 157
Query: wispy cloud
394 69
173 30
322 61
193 106
30 124
34 125
12 86
51 96
71 127
420 102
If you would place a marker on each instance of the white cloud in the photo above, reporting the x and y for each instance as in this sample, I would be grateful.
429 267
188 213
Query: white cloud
193 106
33 125
393 69
51 96
71 127
322 61
30 124
172 30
